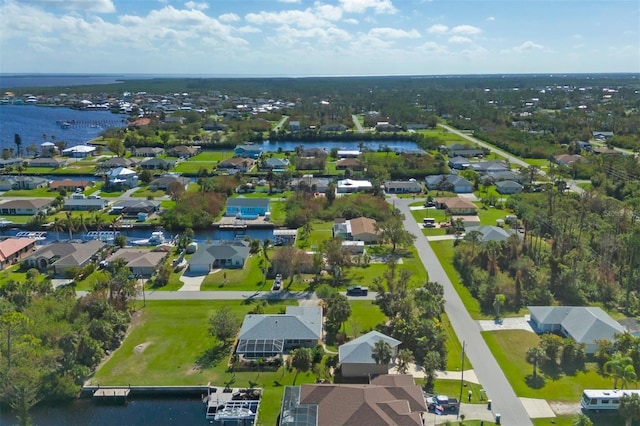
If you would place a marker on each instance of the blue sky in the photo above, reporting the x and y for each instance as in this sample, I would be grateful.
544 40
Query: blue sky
330 37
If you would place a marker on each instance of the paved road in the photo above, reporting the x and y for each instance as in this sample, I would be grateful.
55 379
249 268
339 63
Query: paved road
234 295
487 369
281 123
356 121
512 159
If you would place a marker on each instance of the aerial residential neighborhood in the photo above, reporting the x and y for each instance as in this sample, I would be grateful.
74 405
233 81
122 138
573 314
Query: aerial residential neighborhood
291 266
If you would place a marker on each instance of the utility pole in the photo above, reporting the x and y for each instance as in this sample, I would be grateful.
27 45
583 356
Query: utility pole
461 381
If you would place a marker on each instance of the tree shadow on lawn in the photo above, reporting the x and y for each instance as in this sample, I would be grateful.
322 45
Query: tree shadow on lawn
551 370
212 356
534 382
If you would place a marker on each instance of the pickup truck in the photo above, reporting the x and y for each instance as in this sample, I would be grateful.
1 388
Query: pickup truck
442 403
357 290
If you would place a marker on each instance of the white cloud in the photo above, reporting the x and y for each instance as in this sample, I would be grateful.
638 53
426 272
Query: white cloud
466 29
491 18
299 18
329 12
289 1
459 39
577 36
432 47
289 36
527 46
248 30
360 6
393 33
195 5
98 6
229 17
351 21
438 29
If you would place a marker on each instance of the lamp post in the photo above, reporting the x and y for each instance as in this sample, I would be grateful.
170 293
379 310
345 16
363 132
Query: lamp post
461 380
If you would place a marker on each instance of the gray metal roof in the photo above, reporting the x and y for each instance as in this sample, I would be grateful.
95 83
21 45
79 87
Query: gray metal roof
358 351
299 322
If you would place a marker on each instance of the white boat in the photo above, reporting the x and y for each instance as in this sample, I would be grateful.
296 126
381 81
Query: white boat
156 238
4 222
34 235
106 236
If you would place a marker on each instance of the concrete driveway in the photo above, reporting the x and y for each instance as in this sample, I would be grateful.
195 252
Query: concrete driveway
192 281
521 323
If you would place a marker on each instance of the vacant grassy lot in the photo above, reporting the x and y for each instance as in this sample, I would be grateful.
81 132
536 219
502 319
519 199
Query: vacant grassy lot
509 347
365 316
145 192
33 193
169 338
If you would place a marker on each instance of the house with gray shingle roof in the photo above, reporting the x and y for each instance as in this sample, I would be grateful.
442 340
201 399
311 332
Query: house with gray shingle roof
355 356
65 255
263 336
452 183
222 254
490 233
583 324
508 187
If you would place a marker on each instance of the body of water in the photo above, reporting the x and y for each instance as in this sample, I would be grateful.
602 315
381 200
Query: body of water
138 412
9 81
396 146
141 234
32 122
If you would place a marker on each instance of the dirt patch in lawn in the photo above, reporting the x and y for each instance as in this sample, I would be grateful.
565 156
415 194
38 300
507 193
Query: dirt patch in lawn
565 408
141 347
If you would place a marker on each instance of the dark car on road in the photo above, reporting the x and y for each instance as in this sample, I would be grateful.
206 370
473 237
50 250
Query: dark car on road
357 290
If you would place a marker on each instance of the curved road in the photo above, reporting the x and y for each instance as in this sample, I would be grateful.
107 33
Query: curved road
512 159
489 373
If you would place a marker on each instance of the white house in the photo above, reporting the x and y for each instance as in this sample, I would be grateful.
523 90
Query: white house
122 176
79 151
346 186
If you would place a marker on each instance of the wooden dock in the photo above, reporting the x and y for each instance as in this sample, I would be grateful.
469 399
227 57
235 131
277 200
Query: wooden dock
112 395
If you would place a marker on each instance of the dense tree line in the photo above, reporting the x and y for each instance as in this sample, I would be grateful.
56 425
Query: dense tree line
576 250
52 341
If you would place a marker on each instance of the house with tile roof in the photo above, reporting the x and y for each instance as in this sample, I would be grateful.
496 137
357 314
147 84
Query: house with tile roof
29 206
62 256
357 229
386 400
12 250
139 261
583 324
70 185
456 205
356 356
267 335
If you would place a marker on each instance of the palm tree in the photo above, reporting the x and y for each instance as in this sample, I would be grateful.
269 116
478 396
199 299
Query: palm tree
266 244
17 139
629 408
98 222
82 226
301 360
58 225
582 420
621 368
70 224
535 355
382 352
474 238
404 358
498 302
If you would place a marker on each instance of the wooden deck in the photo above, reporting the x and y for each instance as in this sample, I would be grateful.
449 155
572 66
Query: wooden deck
112 393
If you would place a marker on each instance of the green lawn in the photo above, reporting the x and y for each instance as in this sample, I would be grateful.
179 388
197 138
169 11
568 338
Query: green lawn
444 251
509 347
145 192
209 156
248 278
451 388
34 193
540 162
489 216
170 336
365 316
320 232
111 194
609 419
193 167
20 219
454 348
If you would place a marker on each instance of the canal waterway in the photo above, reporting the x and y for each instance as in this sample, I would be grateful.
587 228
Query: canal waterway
138 412
395 146
32 122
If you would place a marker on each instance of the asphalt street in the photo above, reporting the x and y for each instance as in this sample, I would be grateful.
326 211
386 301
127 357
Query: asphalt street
498 389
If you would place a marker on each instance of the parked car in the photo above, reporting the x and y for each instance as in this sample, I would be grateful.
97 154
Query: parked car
357 290
442 403
277 283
